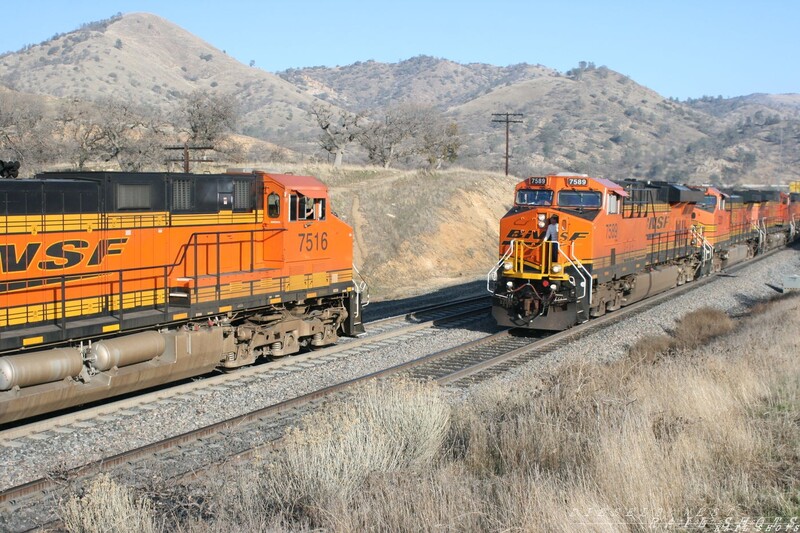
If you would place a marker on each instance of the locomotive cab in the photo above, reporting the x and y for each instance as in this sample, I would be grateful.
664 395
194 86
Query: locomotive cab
542 279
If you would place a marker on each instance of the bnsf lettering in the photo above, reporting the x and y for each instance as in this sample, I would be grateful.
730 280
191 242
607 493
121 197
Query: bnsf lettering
106 247
533 235
11 262
658 222
57 256
525 235
62 256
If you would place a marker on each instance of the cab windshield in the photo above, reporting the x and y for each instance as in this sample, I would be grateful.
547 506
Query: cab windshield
579 199
709 203
534 197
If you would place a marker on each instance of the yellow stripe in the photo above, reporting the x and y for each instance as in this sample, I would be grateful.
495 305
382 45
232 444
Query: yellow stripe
32 340
31 314
275 300
110 327
34 224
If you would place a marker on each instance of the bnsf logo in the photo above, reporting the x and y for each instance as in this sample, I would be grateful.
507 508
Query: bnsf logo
662 222
534 235
57 256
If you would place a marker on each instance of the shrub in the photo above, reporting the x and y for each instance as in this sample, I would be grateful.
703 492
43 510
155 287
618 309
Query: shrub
384 428
697 327
107 507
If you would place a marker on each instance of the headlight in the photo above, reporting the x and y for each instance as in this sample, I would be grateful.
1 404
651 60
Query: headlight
507 266
510 284
556 268
542 217
541 223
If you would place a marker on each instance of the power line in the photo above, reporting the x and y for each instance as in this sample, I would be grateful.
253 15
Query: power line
508 121
185 148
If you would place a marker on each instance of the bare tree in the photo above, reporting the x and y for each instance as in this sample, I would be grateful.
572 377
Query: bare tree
339 129
25 132
113 131
391 136
440 142
81 132
208 117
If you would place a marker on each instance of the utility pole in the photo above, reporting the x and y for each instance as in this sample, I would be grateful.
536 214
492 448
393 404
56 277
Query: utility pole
508 120
185 147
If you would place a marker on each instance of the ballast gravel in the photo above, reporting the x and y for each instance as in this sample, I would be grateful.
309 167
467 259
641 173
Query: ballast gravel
54 451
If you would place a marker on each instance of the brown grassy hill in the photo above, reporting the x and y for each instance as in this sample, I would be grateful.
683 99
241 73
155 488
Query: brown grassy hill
145 59
422 79
599 124
590 120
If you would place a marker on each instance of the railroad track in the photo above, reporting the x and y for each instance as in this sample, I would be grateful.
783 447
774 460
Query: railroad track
391 329
240 437
25 506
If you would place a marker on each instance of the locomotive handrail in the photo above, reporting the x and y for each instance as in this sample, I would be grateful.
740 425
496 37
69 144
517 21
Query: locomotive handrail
578 267
218 274
59 281
181 257
519 255
360 288
497 266
762 233
708 249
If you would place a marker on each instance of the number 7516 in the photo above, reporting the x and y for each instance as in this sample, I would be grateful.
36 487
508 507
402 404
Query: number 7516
313 241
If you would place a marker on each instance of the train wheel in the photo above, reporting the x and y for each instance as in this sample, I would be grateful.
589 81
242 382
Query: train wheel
599 309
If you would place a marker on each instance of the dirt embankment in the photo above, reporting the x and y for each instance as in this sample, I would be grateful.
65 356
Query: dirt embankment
416 232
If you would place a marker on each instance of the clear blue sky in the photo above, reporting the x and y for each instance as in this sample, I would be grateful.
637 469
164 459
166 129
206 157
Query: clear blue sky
679 48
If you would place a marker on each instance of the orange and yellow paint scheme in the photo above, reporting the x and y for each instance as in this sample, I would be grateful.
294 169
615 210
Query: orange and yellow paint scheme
617 243
248 263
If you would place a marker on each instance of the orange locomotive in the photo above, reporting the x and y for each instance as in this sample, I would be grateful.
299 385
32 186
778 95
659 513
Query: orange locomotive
612 244
726 223
115 282
615 245
739 224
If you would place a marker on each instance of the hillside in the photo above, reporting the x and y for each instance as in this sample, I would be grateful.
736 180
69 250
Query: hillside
589 119
416 232
422 79
145 59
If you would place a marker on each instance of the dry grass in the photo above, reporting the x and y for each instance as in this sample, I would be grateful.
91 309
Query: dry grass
693 330
108 507
385 430
698 327
697 437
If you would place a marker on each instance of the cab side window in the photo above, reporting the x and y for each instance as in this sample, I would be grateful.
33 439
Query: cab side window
306 208
612 204
273 205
